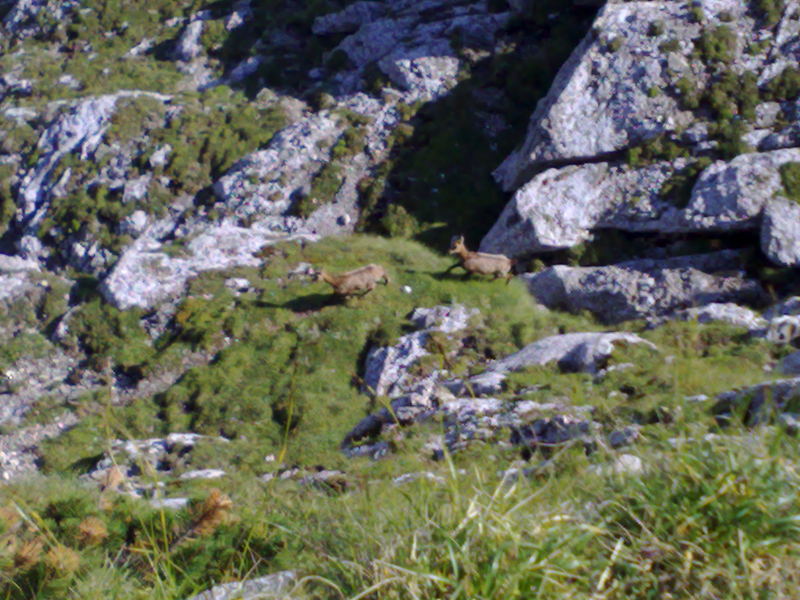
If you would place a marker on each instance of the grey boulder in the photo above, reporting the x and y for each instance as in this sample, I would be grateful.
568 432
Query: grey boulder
645 288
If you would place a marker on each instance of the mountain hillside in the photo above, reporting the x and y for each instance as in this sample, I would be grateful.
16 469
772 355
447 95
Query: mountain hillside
193 402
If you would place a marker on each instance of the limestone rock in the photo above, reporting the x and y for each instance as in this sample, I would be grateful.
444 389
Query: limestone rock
188 46
350 18
623 437
550 433
386 371
573 352
79 129
270 587
265 183
21 21
410 42
758 403
644 288
727 312
623 464
790 365
562 207
600 102
780 232
131 465
149 271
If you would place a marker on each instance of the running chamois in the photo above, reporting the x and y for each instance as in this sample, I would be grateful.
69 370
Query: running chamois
480 262
357 282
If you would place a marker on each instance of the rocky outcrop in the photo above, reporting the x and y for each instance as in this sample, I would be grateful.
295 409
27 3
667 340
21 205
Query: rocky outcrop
153 270
386 369
23 20
132 465
275 587
645 288
572 352
602 100
79 129
560 208
760 403
415 44
273 182
730 313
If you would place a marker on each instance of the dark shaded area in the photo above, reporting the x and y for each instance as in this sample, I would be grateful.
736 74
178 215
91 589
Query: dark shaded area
280 34
303 304
438 182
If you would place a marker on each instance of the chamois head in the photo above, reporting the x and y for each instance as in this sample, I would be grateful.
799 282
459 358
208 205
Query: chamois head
457 244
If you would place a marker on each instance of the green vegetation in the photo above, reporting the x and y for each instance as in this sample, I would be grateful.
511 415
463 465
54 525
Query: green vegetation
7 205
785 86
709 515
661 147
615 44
677 190
730 95
670 46
769 10
296 354
790 179
655 29
323 189
696 14
209 132
718 45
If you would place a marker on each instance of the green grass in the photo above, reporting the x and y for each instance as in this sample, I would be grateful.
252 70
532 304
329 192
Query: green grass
296 354
715 518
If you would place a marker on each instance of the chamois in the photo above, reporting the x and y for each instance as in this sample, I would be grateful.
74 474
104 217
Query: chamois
480 262
354 283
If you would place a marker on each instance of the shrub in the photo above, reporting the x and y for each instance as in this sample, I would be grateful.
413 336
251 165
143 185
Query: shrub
677 190
718 45
696 14
689 94
398 223
670 46
324 187
769 10
615 44
655 28
785 86
790 179
661 147
728 134
8 204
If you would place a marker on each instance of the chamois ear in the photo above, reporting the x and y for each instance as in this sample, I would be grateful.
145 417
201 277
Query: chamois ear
456 240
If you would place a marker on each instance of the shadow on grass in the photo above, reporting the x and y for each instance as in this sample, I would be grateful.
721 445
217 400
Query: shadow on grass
302 304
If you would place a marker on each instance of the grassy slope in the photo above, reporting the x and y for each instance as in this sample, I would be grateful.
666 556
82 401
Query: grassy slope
707 518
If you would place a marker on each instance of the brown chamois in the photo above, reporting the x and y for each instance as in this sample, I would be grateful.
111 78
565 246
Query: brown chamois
356 282
480 262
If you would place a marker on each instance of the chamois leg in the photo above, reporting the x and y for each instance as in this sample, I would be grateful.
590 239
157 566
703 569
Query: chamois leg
453 266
